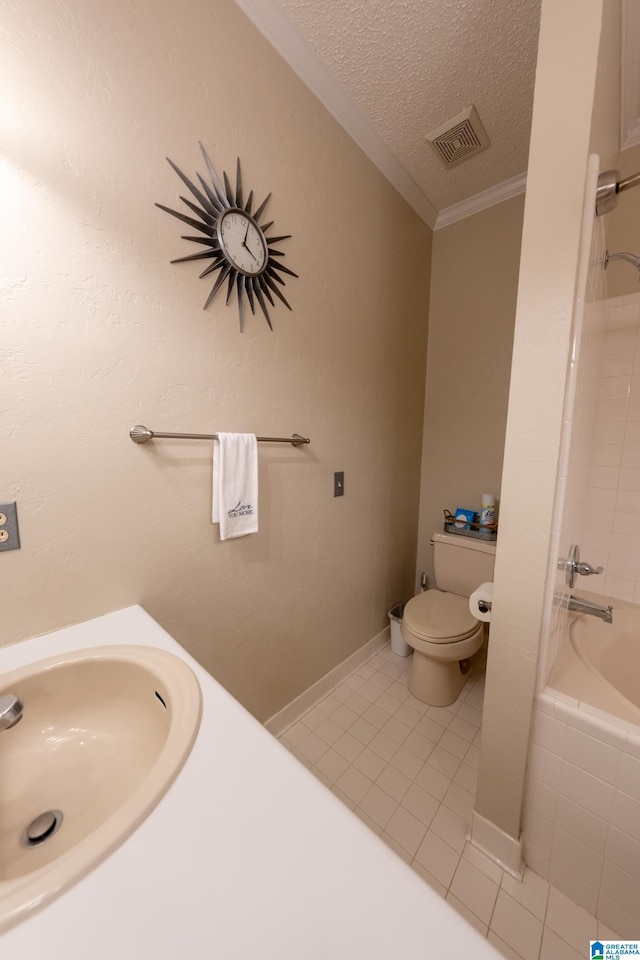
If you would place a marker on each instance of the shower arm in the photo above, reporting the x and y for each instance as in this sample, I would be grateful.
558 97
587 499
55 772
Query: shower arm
609 186
629 257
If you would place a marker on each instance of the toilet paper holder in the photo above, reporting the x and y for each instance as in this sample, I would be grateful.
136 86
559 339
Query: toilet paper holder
484 606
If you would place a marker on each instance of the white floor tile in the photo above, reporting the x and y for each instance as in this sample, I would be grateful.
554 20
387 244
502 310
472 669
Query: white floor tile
354 784
503 947
532 892
470 713
462 728
409 772
329 731
344 716
420 803
484 864
438 858
328 705
332 765
454 744
370 763
474 889
376 715
377 829
433 781
396 729
429 878
357 703
555 948
444 761
606 933
408 715
419 745
406 830
387 702
348 747
394 782
348 802
469 916
407 762
467 777
378 804
396 847
570 921
517 927
459 800
472 756
362 730
312 748
312 718
295 733
429 728
383 745
450 827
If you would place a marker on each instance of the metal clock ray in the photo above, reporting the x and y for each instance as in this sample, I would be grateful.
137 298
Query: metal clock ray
236 242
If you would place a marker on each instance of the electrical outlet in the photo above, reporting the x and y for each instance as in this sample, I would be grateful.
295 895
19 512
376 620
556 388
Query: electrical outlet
338 484
9 535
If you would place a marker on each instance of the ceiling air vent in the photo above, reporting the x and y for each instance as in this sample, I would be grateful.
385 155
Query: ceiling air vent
459 138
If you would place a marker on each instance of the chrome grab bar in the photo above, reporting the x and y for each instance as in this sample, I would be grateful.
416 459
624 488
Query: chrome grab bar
141 434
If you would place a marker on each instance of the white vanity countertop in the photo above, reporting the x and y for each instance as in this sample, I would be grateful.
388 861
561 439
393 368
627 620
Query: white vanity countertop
247 857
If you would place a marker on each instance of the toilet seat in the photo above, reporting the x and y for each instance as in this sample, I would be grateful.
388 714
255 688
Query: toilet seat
439 617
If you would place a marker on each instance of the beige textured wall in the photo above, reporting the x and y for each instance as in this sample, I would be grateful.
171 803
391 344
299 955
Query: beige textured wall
100 332
471 317
565 87
624 232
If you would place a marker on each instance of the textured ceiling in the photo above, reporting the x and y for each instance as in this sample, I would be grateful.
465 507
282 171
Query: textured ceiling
410 65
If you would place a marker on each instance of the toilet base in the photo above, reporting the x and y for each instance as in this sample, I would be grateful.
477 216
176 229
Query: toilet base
436 682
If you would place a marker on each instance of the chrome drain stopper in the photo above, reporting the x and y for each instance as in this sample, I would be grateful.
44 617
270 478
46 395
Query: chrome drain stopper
42 828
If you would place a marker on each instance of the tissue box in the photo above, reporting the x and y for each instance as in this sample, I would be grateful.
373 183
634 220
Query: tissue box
463 519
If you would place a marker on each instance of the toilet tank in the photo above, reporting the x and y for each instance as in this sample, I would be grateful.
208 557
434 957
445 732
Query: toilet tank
462 563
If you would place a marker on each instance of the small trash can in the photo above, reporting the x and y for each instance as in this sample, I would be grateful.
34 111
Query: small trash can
398 643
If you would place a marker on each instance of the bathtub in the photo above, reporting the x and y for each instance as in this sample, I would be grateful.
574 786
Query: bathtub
581 816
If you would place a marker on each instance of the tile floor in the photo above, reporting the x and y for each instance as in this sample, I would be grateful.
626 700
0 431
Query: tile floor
409 772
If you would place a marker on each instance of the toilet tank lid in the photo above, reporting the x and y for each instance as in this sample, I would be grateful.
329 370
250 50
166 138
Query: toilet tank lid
456 540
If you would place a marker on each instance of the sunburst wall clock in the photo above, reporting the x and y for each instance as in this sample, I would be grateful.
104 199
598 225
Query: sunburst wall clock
237 243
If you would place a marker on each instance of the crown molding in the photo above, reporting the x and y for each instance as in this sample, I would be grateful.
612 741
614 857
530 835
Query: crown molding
482 201
276 27
630 83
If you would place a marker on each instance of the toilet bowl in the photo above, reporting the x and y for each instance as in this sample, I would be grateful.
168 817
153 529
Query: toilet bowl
443 635
438 625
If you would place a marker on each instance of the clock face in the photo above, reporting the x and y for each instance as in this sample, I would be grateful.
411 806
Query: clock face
242 241
243 253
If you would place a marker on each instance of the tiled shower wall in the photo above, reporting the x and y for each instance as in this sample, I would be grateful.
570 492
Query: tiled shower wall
598 488
582 811
611 516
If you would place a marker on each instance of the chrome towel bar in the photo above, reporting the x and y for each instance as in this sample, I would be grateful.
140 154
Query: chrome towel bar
140 434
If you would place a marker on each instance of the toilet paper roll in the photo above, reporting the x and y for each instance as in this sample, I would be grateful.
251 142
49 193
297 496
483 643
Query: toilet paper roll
480 601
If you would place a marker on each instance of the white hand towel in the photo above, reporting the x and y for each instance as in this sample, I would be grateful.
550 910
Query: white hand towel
235 484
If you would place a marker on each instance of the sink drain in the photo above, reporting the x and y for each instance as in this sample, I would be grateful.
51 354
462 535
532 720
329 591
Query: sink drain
42 828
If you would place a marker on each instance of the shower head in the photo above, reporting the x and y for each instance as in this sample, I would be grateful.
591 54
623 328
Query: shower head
629 257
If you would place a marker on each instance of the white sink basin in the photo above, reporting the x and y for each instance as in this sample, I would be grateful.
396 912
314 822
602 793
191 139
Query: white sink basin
104 732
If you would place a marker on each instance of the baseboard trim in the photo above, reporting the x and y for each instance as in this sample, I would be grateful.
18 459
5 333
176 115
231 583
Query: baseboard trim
279 722
501 847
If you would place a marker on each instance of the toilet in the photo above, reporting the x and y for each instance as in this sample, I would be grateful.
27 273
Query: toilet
438 623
